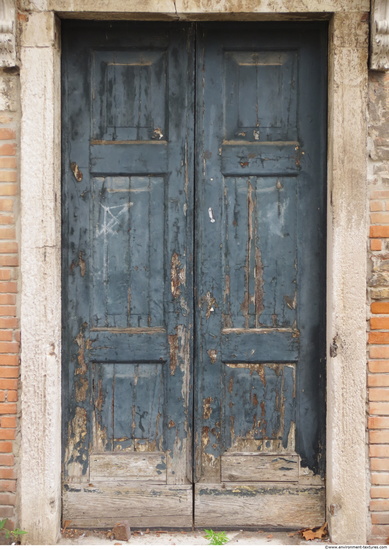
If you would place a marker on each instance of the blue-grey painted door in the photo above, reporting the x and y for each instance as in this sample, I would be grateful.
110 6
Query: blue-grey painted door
193 274
127 267
260 275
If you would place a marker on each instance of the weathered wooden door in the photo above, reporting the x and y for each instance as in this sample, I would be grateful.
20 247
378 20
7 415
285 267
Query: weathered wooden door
193 274
260 276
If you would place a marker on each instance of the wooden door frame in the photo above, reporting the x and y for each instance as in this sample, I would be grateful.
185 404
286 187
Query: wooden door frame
40 449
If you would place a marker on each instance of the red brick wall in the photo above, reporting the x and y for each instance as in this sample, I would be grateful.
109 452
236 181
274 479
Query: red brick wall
378 324
9 322
378 302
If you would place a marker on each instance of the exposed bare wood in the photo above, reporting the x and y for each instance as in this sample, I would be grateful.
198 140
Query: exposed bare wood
307 477
250 467
128 466
103 504
265 504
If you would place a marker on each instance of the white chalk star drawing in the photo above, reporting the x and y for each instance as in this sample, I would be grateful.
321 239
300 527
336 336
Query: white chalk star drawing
111 219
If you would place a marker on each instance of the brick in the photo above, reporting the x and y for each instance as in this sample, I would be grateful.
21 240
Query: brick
6 446
377 323
9 384
375 206
7 219
6 205
7 460
7 473
2 396
7 133
12 396
379 217
379 492
8 287
8 189
11 261
373 380
378 422
8 247
376 307
380 478
8 149
378 338
7 233
374 366
10 499
6 335
379 451
8 311
6 433
375 352
379 465
379 394
379 231
9 372
9 323
6 511
375 244
5 274
380 518
8 176
8 422
8 162
13 347
379 436
8 408
7 485
9 360
7 299
379 195
377 539
379 505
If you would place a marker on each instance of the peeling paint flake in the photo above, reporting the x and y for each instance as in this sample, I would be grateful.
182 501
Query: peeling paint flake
177 275
78 175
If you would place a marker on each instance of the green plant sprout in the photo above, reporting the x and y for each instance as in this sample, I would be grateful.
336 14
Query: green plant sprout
14 533
216 538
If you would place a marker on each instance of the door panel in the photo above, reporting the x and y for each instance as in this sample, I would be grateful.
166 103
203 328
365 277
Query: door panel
193 274
260 264
128 110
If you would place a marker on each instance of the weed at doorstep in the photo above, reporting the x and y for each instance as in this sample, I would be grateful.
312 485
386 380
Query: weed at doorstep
14 533
216 538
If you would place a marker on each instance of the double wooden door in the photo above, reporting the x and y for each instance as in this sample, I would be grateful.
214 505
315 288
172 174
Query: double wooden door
193 274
